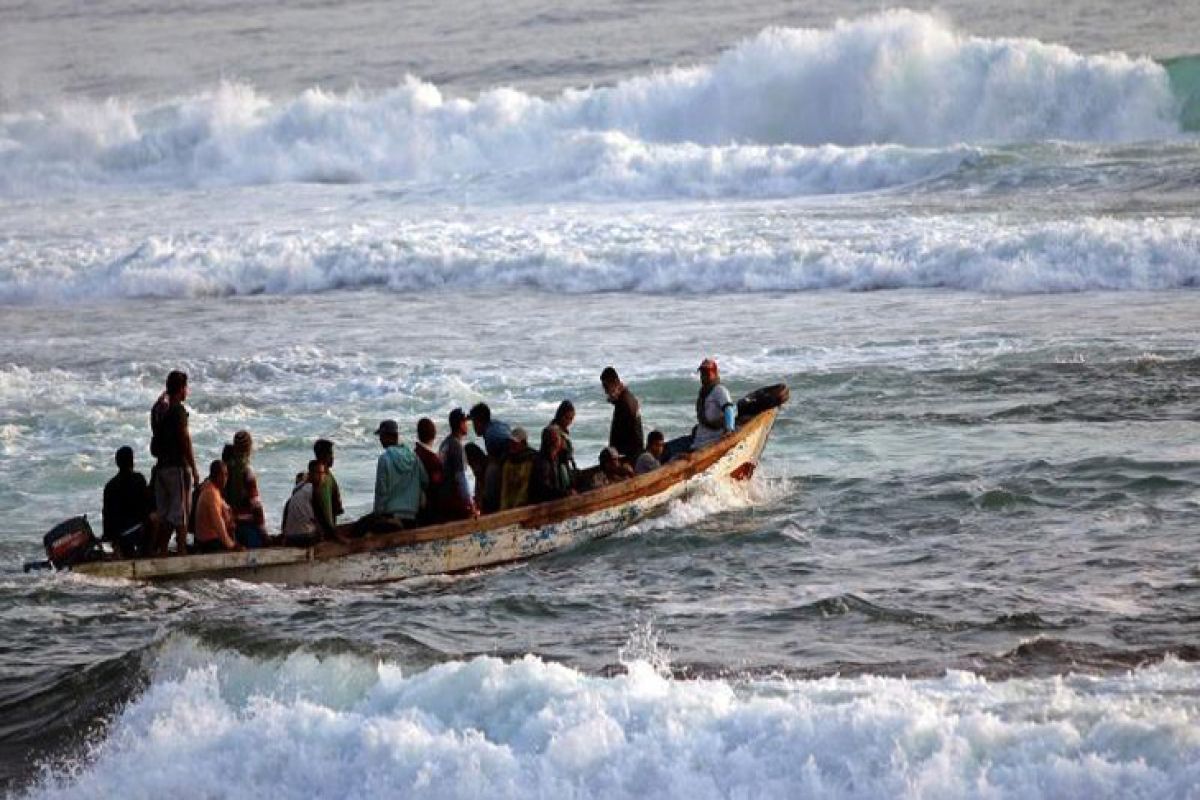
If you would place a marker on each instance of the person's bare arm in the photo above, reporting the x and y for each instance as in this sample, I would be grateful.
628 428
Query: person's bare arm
189 456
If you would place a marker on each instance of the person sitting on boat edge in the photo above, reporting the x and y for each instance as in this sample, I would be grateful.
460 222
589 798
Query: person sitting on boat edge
214 517
650 460
128 509
715 410
514 475
328 493
300 513
458 501
496 435
549 479
399 478
612 469
241 493
625 433
175 473
564 417
431 498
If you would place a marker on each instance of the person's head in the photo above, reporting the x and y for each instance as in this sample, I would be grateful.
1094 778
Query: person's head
708 372
218 474
426 430
609 459
564 417
227 453
611 382
518 440
551 443
656 443
243 444
177 385
323 450
301 477
124 458
458 422
316 471
388 432
481 418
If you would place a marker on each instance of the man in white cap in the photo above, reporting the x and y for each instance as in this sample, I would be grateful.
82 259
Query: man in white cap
715 411
399 478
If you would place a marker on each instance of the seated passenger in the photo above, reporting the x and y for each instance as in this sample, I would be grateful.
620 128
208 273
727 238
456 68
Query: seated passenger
300 528
496 435
128 505
214 517
477 460
433 498
549 479
329 494
612 469
241 493
399 478
651 459
564 417
715 410
457 500
514 475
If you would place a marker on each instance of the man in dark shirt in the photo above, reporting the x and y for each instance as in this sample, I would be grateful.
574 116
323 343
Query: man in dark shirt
175 475
626 431
126 508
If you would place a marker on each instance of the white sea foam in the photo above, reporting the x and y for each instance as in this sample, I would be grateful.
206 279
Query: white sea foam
680 251
786 112
217 724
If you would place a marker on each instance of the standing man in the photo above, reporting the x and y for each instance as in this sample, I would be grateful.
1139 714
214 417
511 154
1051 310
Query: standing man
459 502
175 473
715 411
496 435
626 432
328 496
399 478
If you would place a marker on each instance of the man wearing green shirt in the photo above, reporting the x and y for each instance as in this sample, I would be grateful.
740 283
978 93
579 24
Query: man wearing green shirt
328 495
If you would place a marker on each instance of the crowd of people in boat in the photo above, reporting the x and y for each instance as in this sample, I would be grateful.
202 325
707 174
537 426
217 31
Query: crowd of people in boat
425 484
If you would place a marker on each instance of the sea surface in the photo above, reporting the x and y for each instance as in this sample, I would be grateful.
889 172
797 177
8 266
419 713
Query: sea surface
967 237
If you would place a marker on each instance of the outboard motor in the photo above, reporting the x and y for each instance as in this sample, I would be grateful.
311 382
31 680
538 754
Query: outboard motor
72 542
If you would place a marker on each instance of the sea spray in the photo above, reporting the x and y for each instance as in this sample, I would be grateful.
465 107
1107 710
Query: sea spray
215 725
898 78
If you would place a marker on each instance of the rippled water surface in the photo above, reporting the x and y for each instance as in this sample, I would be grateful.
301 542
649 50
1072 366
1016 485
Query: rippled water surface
967 239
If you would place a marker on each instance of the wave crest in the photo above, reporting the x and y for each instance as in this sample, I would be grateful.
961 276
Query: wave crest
898 78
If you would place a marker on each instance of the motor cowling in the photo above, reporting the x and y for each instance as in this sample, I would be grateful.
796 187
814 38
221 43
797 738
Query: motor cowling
71 542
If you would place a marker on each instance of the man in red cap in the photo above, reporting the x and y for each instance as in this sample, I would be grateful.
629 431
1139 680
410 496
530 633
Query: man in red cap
715 410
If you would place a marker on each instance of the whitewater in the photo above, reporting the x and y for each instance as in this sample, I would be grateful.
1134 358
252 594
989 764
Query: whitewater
967 238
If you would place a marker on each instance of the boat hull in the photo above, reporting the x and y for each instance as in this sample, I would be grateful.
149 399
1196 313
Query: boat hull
495 539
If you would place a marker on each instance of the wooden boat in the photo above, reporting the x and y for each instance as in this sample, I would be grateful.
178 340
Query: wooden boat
465 545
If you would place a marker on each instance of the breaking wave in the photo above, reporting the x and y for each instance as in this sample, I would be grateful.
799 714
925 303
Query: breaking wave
217 723
873 102
691 252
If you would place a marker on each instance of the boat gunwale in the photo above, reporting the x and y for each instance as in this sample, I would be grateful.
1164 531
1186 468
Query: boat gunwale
648 485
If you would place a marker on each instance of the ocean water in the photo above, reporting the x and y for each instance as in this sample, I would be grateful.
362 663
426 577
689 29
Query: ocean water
966 237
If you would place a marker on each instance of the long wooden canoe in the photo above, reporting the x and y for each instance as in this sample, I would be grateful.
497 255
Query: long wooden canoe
498 538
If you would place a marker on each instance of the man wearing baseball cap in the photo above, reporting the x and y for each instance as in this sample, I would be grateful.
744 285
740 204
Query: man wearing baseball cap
715 411
399 477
